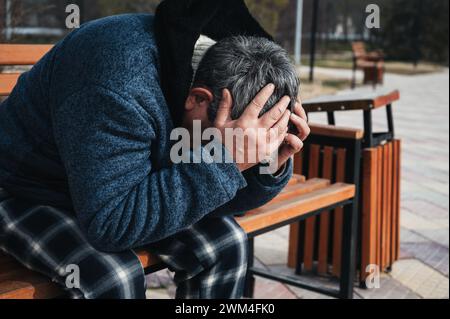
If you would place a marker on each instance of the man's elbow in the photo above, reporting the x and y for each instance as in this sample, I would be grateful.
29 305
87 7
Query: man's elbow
105 238
114 238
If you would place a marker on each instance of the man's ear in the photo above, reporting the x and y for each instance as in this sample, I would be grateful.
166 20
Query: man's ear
197 97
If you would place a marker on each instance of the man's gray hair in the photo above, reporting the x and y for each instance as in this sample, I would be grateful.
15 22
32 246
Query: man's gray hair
244 65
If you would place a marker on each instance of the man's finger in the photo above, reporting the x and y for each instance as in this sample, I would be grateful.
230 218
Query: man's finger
281 126
275 114
255 107
300 111
302 126
224 110
294 142
278 132
292 146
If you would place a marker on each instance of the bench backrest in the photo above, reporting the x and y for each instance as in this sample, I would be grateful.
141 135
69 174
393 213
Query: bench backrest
18 55
359 50
22 54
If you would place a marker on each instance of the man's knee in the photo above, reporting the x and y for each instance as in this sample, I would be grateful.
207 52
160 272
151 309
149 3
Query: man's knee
236 252
109 276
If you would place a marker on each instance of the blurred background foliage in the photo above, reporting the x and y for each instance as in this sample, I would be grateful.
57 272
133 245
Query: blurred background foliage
267 12
412 30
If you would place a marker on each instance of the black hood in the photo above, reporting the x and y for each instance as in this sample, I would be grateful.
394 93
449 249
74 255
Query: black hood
179 24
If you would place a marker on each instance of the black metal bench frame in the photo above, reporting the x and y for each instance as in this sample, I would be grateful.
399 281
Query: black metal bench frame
350 222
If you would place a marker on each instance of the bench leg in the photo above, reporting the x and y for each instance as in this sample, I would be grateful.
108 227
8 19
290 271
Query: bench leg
350 219
249 290
348 266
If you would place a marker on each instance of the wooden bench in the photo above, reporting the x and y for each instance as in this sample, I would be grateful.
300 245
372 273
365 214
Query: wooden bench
300 199
372 64
379 227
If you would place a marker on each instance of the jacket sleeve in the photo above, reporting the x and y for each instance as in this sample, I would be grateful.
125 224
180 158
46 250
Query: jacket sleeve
260 189
105 143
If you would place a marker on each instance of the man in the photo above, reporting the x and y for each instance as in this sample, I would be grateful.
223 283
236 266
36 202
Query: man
85 170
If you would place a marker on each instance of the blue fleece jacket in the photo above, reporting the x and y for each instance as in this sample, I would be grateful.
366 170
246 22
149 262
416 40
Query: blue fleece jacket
87 129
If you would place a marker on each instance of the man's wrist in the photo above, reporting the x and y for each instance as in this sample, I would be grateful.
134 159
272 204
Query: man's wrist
280 171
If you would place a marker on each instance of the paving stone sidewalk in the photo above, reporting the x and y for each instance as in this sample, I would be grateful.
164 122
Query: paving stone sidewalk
422 122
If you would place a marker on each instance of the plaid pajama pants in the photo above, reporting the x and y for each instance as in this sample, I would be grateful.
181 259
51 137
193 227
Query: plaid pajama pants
209 259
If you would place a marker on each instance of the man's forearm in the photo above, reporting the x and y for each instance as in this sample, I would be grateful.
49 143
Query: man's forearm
261 189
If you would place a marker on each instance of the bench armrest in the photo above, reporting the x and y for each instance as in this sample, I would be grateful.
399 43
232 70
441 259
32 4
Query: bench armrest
336 131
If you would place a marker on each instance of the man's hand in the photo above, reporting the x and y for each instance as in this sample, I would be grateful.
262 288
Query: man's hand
263 135
294 143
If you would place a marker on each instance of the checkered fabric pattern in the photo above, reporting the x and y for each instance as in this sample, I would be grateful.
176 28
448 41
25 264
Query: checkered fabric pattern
209 259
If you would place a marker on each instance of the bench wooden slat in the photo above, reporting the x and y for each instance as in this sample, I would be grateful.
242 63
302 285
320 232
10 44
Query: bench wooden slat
394 229
324 225
33 286
294 232
310 223
369 64
388 203
8 82
300 189
147 259
17 282
369 210
396 205
351 101
379 204
359 49
385 208
296 178
11 269
360 53
22 54
336 131
276 213
294 228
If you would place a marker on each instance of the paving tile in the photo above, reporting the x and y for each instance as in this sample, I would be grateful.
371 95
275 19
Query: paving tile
440 236
389 289
158 294
409 236
421 279
417 191
430 253
310 279
160 285
267 289
283 232
436 230
306 294
160 279
425 209
414 222
438 187
271 248
432 180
